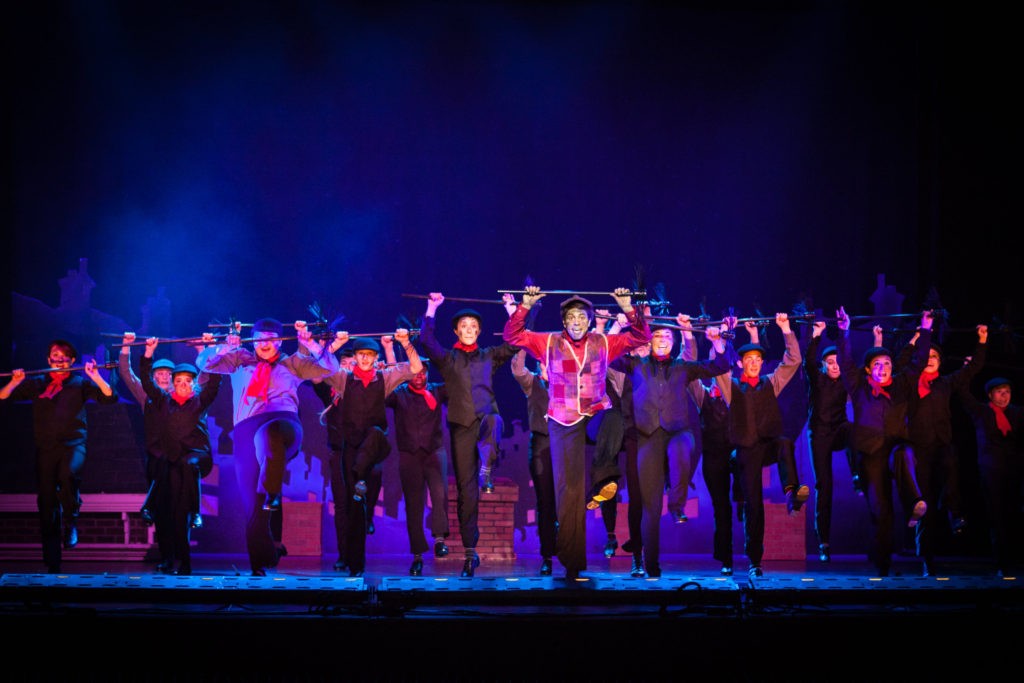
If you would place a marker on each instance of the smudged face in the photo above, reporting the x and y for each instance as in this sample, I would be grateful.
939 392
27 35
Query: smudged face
576 322
419 380
467 330
880 369
934 361
184 384
59 358
162 378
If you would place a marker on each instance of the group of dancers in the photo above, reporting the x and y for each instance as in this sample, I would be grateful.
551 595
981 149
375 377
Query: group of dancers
601 385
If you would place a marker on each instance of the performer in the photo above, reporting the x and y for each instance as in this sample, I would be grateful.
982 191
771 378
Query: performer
620 392
613 426
267 432
577 363
999 430
474 422
931 433
668 425
535 386
59 426
422 461
181 454
828 431
357 428
717 464
880 436
162 369
755 430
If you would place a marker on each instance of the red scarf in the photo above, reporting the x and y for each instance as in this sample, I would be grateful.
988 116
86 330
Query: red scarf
260 381
715 391
470 348
924 382
364 376
56 382
1001 421
877 388
752 381
180 400
427 396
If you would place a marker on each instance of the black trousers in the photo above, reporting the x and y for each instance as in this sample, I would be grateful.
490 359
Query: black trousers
58 496
750 461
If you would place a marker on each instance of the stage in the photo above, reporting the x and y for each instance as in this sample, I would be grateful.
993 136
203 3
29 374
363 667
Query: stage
305 621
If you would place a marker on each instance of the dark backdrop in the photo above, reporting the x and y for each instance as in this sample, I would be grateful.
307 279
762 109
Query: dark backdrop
202 161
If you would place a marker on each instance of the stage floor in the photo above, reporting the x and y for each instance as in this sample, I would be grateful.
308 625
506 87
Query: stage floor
306 621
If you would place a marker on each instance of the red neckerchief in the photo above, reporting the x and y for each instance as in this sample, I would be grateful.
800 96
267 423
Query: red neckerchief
427 396
260 381
468 348
924 382
55 385
1001 421
180 400
877 387
714 391
364 376
752 381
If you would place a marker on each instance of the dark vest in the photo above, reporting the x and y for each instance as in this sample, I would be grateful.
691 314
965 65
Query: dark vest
416 426
362 408
754 413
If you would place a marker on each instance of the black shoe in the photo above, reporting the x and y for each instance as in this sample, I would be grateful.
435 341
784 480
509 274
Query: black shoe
440 549
545 567
654 571
630 546
417 568
958 526
195 521
882 570
755 571
71 539
823 553
637 571
610 546
147 516
572 574
360 490
183 570
163 568
470 565
355 572
680 518
607 492
726 570
795 499
273 502
341 566
53 569
259 572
